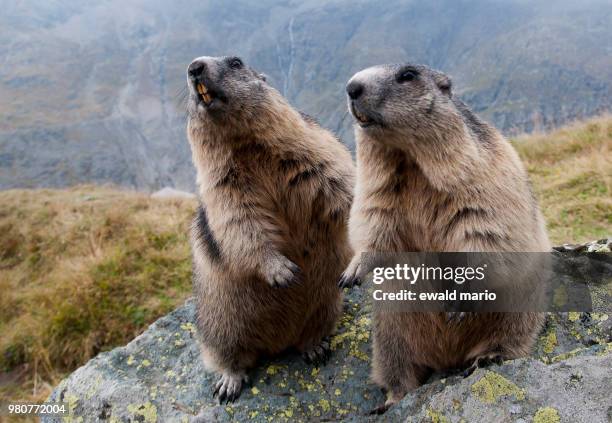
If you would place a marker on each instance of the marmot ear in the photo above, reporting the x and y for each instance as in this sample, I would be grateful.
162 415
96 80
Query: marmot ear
444 83
263 77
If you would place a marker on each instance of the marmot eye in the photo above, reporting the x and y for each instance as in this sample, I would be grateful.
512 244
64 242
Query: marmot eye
407 75
235 63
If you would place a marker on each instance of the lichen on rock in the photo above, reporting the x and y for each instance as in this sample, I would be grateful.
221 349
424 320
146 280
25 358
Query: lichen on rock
159 377
546 415
492 386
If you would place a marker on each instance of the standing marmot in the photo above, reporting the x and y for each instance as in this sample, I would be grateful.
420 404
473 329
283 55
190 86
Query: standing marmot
431 176
275 192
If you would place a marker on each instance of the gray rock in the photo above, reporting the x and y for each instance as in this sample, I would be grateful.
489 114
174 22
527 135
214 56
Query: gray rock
159 377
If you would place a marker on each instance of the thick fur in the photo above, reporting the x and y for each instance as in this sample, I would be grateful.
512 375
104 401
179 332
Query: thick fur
270 239
431 176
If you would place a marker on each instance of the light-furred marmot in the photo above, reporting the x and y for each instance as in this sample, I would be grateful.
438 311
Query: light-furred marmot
270 237
433 177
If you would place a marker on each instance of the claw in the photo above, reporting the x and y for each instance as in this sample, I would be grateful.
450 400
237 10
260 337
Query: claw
319 354
467 372
381 409
483 361
228 387
217 387
348 281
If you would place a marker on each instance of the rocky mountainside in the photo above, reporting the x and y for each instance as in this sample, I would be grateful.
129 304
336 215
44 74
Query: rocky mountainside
89 88
159 376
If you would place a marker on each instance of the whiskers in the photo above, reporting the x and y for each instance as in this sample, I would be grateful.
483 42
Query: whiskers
181 99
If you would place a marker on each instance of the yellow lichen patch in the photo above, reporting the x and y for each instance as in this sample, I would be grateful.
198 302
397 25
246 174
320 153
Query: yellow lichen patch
354 336
254 390
573 316
145 363
546 415
492 386
324 404
436 417
337 392
273 369
606 350
602 317
72 401
130 360
189 327
94 387
147 410
567 354
549 342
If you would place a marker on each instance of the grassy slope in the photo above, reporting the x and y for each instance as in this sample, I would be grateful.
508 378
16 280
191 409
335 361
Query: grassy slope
83 270
86 269
571 171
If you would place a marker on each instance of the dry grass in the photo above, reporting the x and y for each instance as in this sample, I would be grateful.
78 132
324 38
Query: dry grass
83 270
571 171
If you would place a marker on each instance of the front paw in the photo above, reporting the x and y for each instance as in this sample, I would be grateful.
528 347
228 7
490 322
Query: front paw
282 272
229 386
482 361
348 280
351 276
318 354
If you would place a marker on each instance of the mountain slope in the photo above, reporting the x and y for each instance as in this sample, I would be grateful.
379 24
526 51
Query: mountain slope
90 88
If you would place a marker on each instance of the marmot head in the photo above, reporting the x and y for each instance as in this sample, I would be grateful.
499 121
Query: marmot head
406 99
223 90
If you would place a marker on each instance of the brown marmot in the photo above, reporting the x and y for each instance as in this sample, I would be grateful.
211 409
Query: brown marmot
433 177
275 191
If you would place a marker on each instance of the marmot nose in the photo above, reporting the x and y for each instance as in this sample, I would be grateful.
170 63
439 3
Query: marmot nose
196 68
354 90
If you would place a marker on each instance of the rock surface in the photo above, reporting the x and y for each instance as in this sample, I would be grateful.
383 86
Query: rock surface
159 377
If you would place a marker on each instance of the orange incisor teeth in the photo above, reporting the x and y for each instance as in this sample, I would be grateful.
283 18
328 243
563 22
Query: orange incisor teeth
206 98
202 89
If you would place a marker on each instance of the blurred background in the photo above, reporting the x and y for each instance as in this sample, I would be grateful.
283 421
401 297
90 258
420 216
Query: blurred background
90 106
89 88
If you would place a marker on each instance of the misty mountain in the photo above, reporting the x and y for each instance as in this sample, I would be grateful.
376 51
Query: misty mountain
89 90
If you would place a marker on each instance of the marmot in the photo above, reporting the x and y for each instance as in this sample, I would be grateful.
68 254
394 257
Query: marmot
433 177
275 191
